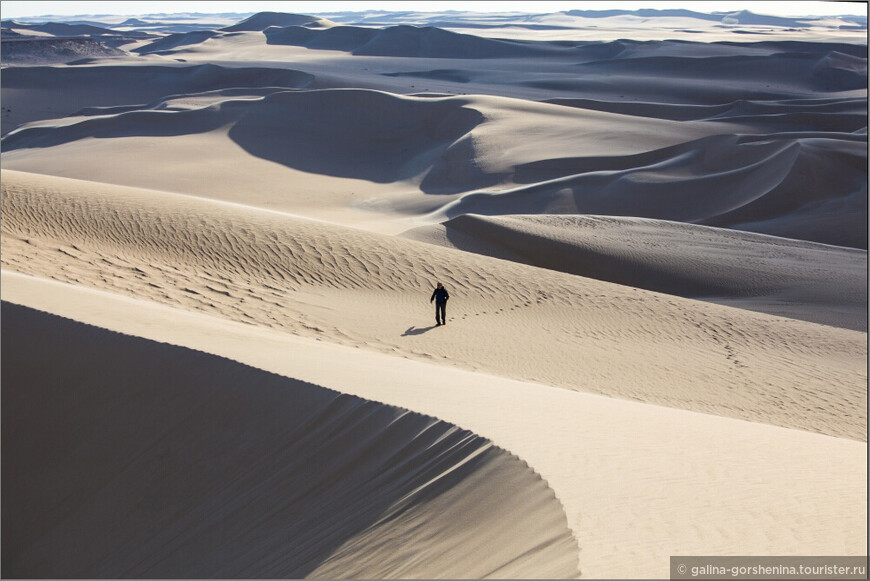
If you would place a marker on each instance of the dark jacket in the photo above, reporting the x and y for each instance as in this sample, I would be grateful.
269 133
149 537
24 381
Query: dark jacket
440 295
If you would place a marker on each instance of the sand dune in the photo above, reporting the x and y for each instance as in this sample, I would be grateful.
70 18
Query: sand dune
301 480
407 42
802 280
660 458
788 163
737 17
364 289
54 50
791 185
173 41
62 29
595 25
836 115
815 69
304 144
221 355
676 72
26 93
263 20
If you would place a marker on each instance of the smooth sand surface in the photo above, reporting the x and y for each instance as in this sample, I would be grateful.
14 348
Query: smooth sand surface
636 480
218 250
242 473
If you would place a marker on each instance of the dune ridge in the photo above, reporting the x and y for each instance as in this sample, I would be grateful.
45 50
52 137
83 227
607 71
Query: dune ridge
814 282
780 184
791 167
131 86
404 41
53 50
590 441
248 473
220 242
166 44
846 115
322 138
310 278
263 20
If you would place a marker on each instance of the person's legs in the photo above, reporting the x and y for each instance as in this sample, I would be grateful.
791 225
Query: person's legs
441 313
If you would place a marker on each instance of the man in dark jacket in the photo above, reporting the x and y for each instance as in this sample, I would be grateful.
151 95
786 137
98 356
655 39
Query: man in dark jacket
440 297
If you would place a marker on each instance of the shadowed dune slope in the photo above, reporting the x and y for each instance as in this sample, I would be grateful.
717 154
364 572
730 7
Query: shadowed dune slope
42 51
807 186
124 457
353 133
173 41
815 282
800 70
846 115
64 29
345 132
626 73
795 168
31 92
406 41
368 290
448 145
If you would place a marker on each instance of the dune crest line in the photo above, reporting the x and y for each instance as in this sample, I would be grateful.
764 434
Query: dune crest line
310 278
247 473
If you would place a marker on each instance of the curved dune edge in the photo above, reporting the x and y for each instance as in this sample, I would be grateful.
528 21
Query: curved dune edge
790 163
636 480
131 458
802 280
366 290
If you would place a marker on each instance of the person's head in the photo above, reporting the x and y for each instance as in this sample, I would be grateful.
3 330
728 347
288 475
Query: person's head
440 285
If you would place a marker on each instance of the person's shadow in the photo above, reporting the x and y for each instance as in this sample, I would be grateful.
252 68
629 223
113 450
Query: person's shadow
417 331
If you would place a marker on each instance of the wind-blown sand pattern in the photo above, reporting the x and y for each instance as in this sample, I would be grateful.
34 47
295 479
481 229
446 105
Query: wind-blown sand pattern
360 288
218 248
798 279
262 473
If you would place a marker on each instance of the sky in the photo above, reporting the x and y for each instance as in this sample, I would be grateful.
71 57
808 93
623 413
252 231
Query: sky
20 8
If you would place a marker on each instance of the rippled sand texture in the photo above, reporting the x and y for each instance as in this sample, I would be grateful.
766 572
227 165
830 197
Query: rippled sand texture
219 245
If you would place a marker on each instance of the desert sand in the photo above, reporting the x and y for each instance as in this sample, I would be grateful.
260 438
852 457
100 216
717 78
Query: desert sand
219 241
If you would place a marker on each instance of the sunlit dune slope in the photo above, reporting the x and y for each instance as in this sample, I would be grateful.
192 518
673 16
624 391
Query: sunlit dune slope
369 290
389 155
124 457
804 280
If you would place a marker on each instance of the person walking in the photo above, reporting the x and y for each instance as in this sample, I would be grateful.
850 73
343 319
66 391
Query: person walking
440 296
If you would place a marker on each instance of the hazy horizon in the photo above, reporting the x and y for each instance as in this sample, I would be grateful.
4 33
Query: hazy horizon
23 9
